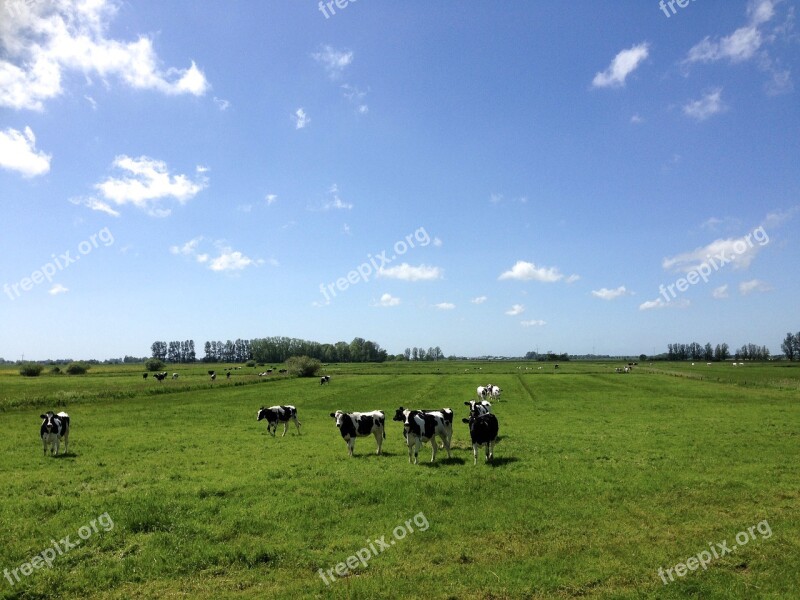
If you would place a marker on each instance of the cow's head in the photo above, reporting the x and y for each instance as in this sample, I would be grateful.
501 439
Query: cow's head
400 415
262 413
338 416
49 422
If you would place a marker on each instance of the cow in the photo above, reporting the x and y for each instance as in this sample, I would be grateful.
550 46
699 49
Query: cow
160 376
275 414
494 392
213 376
144 376
174 375
356 424
228 375
55 427
212 372
483 432
324 379
478 408
401 413
482 392
420 427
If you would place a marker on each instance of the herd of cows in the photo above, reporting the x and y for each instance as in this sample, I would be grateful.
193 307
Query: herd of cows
419 426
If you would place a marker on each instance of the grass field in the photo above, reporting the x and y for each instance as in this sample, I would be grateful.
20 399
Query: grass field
599 481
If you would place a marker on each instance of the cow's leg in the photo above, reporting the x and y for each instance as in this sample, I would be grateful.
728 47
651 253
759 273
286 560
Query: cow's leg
434 446
409 444
297 424
285 427
490 451
475 453
351 445
272 428
379 440
44 444
66 440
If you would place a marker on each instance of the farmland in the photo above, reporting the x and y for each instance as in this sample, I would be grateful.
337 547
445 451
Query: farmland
599 480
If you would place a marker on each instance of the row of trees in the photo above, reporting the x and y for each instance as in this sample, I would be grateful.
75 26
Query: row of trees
174 352
791 346
695 351
273 350
422 354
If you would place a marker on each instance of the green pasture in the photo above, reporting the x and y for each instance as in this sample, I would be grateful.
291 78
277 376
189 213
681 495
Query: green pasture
599 480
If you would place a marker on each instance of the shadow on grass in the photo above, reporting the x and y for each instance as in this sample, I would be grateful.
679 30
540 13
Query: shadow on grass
65 455
499 461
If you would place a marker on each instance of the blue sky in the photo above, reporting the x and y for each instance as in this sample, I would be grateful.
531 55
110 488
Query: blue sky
529 176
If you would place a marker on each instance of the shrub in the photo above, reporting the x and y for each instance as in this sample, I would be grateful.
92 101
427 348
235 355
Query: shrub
154 364
77 368
55 371
303 366
30 369
250 363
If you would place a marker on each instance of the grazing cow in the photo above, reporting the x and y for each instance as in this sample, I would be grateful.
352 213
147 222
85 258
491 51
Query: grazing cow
54 428
324 379
356 424
160 376
213 376
555 367
269 371
282 371
494 392
276 414
627 369
174 375
478 408
420 427
228 374
212 372
483 432
144 376
618 370
482 392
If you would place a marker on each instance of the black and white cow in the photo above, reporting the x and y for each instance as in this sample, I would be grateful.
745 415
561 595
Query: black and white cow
419 427
482 392
160 376
401 413
324 379
144 376
55 427
483 432
356 424
276 414
478 408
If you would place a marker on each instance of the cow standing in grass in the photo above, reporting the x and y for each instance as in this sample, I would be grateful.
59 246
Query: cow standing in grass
54 428
483 431
279 414
419 427
356 424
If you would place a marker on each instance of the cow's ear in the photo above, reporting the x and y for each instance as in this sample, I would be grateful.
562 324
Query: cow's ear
333 415
42 416
465 420
466 403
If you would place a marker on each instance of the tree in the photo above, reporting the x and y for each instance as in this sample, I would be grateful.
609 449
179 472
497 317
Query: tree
154 364
407 353
77 368
303 366
414 353
30 369
789 346
159 350
708 352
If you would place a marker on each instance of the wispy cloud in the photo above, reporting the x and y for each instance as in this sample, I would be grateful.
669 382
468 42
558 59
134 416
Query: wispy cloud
300 118
720 292
271 199
754 285
515 310
607 294
18 151
624 63
533 323
707 106
57 289
227 258
222 104
445 306
147 182
528 271
334 61
93 203
406 272
387 301
659 303
479 300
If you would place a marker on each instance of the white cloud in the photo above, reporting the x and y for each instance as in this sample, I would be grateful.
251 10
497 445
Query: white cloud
346 229
44 41
623 65
445 306
572 278
637 120
515 310
222 103
607 294
189 248
147 183
533 323
720 292
387 301
437 242
93 203
231 260
705 107
526 271
334 61
406 272
754 285
301 119
57 289
92 102
479 300
495 198
659 303
271 199
337 204
18 152
716 255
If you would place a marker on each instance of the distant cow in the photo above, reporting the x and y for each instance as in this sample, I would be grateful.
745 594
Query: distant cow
482 392
356 424
160 376
228 375
212 372
282 371
494 392
213 376
324 379
276 414
422 427
483 432
478 408
174 375
54 428
144 376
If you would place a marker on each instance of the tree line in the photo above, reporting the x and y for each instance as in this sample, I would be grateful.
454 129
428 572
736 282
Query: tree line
791 346
275 349
422 354
720 352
